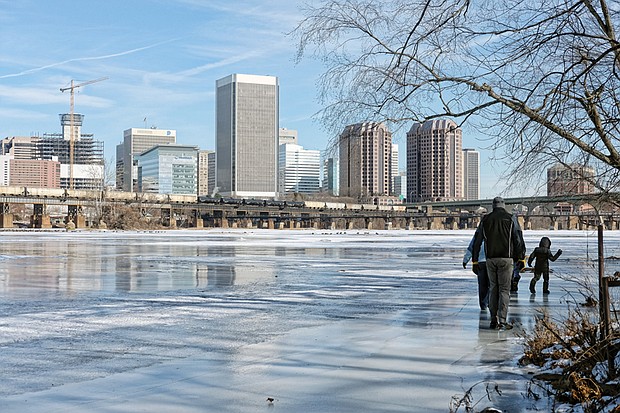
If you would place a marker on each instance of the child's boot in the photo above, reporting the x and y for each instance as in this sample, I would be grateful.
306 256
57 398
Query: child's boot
545 287
533 286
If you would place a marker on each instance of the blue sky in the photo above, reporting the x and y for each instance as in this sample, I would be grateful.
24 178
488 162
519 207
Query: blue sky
162 58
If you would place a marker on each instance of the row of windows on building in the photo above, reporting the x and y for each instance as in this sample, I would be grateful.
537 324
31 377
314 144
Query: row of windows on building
257 158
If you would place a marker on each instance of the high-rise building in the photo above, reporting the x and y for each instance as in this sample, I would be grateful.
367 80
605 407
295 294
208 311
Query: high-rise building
204 172
365 160
87 167
394 166
4 169
34 173
20 147
168 169
570 180
400 186
287 136
247 135
212 189
135 142
331 176
434 161
471 174
299 169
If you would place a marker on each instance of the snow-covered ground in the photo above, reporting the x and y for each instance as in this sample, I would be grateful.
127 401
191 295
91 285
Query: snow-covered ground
320 321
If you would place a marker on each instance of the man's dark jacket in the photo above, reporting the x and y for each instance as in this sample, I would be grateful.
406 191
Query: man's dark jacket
502 236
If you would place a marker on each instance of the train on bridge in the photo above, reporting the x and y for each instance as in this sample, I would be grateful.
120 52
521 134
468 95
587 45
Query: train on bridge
192 210
282 204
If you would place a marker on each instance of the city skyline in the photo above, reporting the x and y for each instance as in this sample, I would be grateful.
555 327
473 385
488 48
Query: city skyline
155 78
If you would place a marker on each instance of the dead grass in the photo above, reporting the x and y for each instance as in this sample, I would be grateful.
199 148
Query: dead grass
567 353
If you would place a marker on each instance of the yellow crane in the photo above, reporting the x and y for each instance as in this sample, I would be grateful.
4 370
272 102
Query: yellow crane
71 124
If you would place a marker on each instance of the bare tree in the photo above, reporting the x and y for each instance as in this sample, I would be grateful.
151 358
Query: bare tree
539 78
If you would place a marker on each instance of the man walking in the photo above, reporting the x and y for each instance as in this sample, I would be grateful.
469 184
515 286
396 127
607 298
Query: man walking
503 246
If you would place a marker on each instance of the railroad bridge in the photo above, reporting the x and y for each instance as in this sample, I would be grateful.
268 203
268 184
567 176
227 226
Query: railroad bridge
81 209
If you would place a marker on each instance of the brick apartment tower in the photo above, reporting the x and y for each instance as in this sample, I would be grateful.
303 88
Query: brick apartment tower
365 160
570 180
434 161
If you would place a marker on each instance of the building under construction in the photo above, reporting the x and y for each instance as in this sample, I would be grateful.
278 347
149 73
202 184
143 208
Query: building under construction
87 168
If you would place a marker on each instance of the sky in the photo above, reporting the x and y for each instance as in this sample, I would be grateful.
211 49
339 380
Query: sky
161 59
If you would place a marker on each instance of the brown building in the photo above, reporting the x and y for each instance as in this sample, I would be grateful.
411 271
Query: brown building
570 180
434 161
34 173
365 160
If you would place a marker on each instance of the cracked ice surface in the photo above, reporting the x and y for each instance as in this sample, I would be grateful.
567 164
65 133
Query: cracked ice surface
195 321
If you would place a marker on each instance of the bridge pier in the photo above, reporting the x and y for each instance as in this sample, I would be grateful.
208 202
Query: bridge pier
196 220
572 222
410 224
436 223
554 223
75 217
222 220
6 218
454 224
167 218
40 218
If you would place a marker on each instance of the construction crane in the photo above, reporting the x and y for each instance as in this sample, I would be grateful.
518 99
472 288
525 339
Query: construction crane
71 124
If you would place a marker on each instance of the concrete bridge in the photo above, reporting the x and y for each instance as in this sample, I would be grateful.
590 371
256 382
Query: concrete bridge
540 212
81 209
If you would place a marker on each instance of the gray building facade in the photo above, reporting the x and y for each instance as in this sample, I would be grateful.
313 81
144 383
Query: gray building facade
247 119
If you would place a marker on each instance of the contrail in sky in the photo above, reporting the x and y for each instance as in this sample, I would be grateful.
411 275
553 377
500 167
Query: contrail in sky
81 59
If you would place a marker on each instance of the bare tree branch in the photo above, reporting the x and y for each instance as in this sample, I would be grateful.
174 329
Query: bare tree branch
539 78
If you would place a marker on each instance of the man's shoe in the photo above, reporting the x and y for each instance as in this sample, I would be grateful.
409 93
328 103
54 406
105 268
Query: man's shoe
493 325
505 326
532 288
546 292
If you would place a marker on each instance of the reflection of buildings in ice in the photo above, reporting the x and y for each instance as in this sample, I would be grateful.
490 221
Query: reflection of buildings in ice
139 263
156 267
50 264
334 252
220 275
84 265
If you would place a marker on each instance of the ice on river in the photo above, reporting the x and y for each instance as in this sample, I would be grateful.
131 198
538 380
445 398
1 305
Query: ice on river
212 320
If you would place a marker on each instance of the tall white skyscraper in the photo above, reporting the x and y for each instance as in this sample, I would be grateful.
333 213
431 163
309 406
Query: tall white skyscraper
247 135
299 169
471 174
434 161
394 167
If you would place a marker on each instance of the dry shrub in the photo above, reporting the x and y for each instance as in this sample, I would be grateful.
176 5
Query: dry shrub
129 218
573 348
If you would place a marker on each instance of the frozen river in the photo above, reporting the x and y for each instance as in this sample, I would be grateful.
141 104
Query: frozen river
320 321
